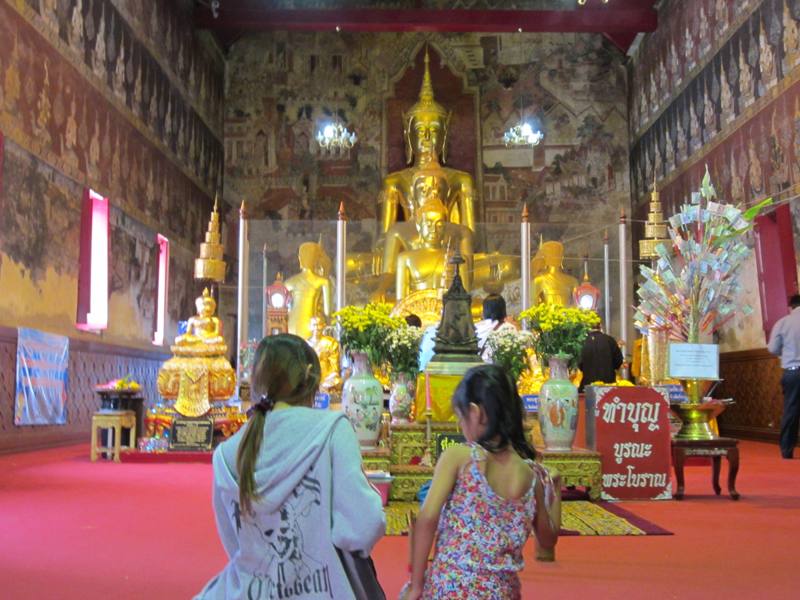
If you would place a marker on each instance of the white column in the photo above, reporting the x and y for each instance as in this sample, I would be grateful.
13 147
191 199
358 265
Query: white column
341 254
525 258
243 304
623 279
607 282
264 284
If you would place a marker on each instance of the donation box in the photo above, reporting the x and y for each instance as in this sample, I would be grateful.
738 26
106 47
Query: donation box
632 435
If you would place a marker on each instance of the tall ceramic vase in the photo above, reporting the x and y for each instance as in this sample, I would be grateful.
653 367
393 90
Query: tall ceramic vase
558 406
401 398
362 401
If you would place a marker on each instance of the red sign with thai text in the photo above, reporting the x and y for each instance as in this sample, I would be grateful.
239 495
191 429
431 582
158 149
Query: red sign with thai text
633 439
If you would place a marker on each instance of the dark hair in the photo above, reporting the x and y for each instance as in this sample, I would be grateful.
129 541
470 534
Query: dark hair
491 388
413 321
494 307
286 369
794 301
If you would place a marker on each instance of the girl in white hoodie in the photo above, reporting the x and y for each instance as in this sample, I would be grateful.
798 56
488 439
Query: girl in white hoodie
289 488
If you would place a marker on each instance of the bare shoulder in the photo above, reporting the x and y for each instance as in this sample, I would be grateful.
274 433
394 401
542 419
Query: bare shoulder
454 457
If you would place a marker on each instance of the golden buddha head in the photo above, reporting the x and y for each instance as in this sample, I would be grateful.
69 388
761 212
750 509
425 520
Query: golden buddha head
430 221
551 253
309 255
429 182
205 304
426 123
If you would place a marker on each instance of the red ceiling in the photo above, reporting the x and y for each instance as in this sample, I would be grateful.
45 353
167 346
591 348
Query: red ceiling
619 20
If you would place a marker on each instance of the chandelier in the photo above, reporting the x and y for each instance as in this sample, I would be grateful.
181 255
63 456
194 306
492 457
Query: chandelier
522 134
335 137
583 2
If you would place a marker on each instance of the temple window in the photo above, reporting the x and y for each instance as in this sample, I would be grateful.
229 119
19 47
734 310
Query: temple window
163 286
93 263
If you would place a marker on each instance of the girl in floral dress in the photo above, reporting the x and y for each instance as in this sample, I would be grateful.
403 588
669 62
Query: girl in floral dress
486 499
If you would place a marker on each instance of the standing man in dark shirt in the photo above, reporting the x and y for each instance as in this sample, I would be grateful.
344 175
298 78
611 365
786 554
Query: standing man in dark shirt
600 358
784 341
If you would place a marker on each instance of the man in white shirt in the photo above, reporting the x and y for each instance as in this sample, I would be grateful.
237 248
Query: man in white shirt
784 341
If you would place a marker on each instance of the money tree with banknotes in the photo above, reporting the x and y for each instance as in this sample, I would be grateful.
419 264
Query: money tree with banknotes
693 286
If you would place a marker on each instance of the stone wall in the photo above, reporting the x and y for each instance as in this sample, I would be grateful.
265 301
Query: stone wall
122 97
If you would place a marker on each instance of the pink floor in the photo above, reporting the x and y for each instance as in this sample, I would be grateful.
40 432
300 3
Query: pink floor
74 529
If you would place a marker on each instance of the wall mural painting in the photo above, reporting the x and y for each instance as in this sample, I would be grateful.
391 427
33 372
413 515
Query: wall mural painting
53 112
739 115
84 99
39 204
185 118
282 86
764 51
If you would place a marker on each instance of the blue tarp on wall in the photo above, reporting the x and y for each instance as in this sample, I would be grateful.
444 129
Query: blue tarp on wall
42 377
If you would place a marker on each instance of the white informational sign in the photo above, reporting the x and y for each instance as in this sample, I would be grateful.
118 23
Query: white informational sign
693 361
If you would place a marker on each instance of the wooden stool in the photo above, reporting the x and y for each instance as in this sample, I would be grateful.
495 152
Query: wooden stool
115 420
714 449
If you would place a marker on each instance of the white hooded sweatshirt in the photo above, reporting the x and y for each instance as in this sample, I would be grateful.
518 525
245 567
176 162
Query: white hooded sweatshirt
313 497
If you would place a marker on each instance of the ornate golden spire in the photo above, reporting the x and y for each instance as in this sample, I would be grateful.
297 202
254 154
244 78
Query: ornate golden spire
655 230
209 265
427 103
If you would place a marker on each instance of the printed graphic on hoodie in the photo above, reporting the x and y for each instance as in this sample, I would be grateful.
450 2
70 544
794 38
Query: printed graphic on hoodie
288 571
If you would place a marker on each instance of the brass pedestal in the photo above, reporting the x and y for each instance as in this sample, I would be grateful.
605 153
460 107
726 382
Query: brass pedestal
695 419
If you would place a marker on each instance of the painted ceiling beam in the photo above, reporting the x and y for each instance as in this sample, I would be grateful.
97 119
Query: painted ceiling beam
586 20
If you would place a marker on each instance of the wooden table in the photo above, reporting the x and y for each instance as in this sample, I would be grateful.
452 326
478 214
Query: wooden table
578 467
714 449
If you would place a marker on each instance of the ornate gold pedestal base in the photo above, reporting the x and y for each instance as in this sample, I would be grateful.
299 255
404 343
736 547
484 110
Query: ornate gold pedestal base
578 467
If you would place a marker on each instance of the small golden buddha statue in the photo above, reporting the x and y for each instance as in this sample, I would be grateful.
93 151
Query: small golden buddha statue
199 371
424 265
204 327
327 349
553 286
425 131
311 292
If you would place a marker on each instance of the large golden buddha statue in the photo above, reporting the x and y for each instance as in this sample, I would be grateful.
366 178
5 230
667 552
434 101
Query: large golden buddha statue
425 131
415 252
552 285
327 349
311 292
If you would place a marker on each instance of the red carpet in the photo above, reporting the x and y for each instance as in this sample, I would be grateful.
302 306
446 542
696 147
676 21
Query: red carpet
76 529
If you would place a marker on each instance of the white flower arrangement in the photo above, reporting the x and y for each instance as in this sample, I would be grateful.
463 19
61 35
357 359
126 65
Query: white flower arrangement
402 345
507 347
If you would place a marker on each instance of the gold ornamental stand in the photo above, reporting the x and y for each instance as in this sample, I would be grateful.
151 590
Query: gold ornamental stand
695 415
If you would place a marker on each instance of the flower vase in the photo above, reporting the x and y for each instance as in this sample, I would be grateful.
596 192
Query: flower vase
362 401
558 406
401 398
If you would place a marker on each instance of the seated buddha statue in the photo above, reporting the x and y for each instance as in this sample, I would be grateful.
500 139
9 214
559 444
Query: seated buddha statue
423 265
327 349
199 372
425 132
311 292
552 285
204 330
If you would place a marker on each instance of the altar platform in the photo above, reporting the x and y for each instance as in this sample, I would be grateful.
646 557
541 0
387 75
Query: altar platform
410 455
